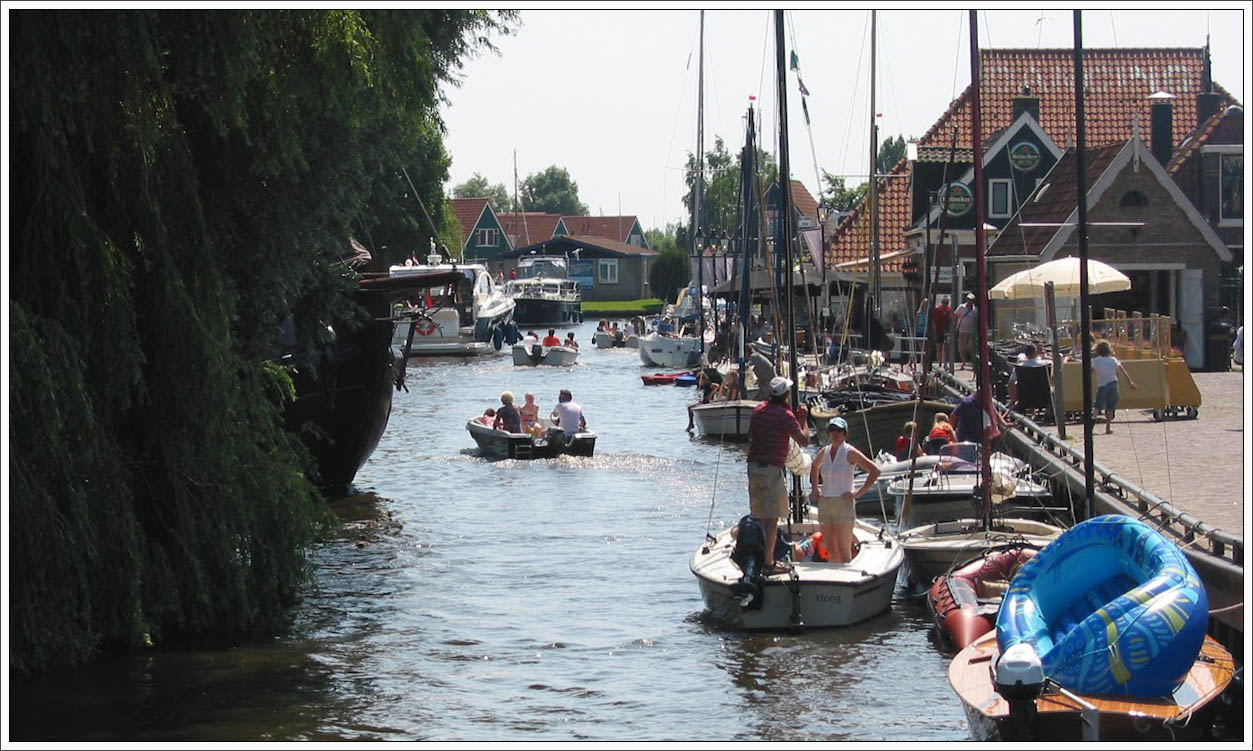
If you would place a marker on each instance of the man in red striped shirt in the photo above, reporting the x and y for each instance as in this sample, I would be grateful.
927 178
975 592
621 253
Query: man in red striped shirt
770 427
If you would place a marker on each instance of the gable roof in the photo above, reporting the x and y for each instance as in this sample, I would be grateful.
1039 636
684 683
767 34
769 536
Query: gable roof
1051 203
1201 136
603 246
1103 165
850 241
468 211
803 200
1118 83
529 227
613 227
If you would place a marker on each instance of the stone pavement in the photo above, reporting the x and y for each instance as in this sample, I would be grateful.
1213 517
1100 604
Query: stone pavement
1196 465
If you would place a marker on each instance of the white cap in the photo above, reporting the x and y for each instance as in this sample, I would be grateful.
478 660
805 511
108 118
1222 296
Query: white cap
779 385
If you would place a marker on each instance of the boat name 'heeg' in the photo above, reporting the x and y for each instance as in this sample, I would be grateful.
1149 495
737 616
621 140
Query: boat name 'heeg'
833 599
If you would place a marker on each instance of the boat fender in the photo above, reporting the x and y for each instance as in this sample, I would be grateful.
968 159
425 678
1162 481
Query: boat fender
512 336
482 332
498 338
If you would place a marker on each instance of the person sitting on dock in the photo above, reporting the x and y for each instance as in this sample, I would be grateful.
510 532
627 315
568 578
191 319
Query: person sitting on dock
551 340
570 342
1028 359
528 413
507 417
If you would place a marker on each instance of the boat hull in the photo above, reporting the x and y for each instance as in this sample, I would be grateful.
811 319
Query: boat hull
875 428
964 603
824 594
605 340
531 311
724 420
557 356
669 352
934 549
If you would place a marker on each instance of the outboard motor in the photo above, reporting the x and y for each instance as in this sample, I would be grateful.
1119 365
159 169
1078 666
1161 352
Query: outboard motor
1019 677
512 336
537 354
749 555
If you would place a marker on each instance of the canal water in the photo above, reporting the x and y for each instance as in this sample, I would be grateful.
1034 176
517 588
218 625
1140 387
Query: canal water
544 601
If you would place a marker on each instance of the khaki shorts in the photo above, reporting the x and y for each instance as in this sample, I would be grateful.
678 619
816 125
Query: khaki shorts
836 510
767 491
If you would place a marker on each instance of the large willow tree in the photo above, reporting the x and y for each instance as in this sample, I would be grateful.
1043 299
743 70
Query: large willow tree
181 183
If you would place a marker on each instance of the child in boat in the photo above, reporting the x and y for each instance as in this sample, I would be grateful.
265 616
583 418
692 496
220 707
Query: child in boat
941 433
488 417
905 440
529 414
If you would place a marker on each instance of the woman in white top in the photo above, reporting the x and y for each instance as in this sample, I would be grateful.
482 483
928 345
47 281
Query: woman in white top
1105 369
837 503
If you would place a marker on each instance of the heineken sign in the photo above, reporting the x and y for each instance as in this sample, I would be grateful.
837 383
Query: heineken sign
1024 156
960 199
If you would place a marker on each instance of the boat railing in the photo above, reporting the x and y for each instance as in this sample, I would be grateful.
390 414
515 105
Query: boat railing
1186 528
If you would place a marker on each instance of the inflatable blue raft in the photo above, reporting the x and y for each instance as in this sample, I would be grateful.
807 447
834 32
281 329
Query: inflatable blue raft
1110 607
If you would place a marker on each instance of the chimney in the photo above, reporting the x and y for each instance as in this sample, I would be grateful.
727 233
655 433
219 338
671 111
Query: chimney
1026 102
1161 137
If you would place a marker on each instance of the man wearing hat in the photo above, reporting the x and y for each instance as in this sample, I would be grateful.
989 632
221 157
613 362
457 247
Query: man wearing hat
770 427
832 471
967 315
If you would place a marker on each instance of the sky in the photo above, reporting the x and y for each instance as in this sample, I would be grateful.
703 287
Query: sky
611 95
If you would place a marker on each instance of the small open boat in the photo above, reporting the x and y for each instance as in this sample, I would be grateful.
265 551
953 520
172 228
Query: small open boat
936 548
500 444
964 602
663 379
1111 615
726 420
539 355
811 595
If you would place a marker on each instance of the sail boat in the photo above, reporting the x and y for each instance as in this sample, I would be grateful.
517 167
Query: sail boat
810 594
1115 647
669 346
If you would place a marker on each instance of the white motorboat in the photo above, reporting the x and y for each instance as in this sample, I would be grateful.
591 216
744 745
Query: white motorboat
726 420
947 491
667 351
536 354
606 340
811 594
543 292
935 548
501 444
464 319
876 502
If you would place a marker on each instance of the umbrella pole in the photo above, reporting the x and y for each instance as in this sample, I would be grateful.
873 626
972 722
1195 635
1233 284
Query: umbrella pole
1059 414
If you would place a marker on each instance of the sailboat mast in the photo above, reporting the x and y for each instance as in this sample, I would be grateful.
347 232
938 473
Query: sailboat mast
984 380
748 174
876 276
698 233
785 201
1085 313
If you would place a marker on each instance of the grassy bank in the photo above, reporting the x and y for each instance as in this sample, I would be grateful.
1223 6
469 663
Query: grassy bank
621 308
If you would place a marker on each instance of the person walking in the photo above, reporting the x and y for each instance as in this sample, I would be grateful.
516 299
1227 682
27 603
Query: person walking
831 486
1105 370
771 426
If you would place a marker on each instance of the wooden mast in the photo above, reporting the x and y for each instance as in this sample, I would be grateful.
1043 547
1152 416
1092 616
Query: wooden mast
698 233
983 381
1085 314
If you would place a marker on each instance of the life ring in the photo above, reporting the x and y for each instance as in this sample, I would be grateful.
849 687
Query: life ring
424 325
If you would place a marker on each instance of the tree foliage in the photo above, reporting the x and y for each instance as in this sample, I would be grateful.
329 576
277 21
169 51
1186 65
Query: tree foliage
182 183
669 271
478 187
836 197
551 190
721 213
891 151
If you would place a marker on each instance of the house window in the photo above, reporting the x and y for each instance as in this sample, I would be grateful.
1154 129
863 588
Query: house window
607 271
1231 189
635 240
1133 198
486 237
999 202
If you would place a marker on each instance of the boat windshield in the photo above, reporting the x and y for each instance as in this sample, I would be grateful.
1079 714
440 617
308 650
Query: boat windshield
546 266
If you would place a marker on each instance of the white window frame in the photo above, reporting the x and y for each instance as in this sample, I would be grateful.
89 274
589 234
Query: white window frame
1009 198
607 270
482 237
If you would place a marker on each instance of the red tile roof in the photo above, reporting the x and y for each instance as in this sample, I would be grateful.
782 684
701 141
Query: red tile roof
528 228
1119 82
1203 134
467 211
851 239
803 200
614 227
1058 200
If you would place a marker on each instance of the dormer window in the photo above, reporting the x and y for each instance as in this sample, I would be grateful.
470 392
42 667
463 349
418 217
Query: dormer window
1133 199
1231 189
1000 198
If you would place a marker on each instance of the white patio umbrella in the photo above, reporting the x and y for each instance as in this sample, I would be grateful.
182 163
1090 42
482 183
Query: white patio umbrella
1064 274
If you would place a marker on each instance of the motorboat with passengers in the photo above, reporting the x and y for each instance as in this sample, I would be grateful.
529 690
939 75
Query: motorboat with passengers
543 292
471 317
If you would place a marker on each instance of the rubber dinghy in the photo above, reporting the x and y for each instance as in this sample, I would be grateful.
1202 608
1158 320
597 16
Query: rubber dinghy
1109 607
